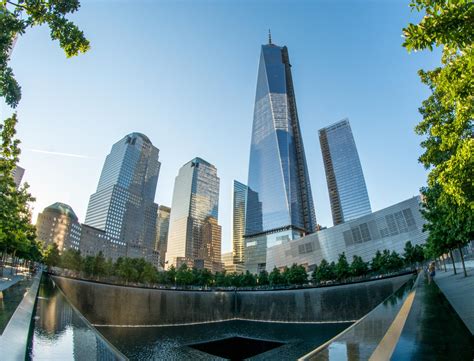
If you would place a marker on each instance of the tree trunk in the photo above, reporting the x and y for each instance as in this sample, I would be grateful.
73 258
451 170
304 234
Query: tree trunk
444 263
452 260
462 261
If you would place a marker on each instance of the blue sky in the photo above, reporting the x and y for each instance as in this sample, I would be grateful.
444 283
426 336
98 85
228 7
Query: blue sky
184 73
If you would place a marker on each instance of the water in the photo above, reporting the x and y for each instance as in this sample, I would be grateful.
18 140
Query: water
60 333
12 297
173 342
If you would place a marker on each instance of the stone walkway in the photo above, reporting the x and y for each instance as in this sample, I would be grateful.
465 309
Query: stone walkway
459 291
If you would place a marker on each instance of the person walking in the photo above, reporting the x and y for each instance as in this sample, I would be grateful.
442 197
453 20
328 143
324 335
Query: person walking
431 272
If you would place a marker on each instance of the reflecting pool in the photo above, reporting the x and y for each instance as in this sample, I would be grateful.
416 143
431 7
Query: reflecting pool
60 333
10 299
176 342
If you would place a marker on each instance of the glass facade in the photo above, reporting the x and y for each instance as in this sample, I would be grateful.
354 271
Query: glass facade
346 185
239 205
162 227
195 201
278 177
123 205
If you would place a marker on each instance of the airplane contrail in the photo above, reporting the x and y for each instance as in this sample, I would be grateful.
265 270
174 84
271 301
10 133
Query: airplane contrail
58 153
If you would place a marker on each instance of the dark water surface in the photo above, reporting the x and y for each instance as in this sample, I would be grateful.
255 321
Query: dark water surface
173 342
60 333
12 297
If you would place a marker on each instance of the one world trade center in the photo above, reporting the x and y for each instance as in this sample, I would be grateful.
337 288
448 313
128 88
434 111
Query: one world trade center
280 203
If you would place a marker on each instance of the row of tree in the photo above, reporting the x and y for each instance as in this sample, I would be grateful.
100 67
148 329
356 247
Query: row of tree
447 124
134 270
17 234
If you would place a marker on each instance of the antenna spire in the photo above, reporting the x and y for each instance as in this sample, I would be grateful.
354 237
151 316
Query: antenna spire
269 36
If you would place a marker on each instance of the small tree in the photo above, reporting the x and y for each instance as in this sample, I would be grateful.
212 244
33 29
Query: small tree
326 271
88 265
377 263
342 267
394 261
71 259
171 275
51 255
206 278
297 275
358 267
184 276
275 277
249 280
314 275
263 278
409 253
149 274
99 265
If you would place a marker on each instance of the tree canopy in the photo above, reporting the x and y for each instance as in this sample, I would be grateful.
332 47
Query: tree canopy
447 124
19 15
449 112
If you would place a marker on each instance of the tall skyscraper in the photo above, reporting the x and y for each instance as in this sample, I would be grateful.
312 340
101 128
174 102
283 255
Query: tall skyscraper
239 207
282 208
195 202
123 205
346 184
162 228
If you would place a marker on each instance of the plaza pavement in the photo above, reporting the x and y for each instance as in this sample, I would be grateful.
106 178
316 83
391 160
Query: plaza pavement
459 291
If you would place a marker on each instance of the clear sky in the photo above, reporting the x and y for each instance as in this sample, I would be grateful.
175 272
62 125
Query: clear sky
184 73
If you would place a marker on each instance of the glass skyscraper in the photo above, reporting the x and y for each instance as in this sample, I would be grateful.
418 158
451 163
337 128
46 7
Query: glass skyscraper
239 206
123 205
162 228
346 185
195 204
281 206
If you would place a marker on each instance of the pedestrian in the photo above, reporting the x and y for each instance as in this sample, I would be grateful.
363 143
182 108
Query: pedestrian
431 272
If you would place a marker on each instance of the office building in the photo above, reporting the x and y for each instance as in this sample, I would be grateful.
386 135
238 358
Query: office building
123 204
281 208
162 228
195 202
59 224
346 185
229 265
239 207
209 253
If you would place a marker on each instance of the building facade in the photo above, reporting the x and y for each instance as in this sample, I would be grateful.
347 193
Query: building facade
281 206
229 265
59 224
346 184
123 204
95 240
162 228
18 173
389 228
209 253
239 207
195 202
